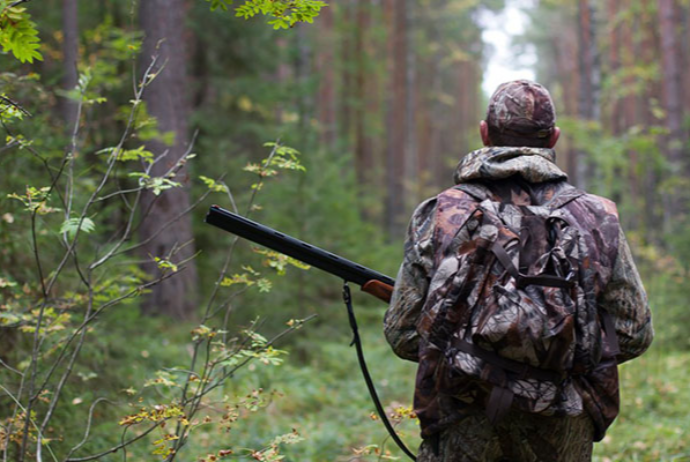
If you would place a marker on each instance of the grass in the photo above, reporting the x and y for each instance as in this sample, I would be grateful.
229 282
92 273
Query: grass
319 392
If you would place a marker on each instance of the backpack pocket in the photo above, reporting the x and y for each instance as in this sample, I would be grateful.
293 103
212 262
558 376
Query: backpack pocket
525 325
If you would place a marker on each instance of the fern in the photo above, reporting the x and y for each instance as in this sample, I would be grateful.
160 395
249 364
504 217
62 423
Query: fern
72 225
18 34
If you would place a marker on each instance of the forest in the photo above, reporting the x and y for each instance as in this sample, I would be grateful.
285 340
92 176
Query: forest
131 330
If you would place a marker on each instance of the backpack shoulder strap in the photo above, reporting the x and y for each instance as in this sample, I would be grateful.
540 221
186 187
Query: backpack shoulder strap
563 197
454 207
475 190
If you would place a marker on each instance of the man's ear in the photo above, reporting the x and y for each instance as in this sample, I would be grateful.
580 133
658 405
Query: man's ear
484 133
555 134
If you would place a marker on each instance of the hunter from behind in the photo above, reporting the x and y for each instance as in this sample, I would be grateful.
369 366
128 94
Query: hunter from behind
518 297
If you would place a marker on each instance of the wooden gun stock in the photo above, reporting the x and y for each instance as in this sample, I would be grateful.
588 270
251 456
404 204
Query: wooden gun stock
378 289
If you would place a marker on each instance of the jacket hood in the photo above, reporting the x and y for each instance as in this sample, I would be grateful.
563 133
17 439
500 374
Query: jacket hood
535 165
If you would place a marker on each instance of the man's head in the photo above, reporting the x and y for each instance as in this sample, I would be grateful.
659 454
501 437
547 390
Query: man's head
520 113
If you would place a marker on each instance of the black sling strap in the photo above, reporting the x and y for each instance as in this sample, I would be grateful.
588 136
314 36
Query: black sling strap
356 341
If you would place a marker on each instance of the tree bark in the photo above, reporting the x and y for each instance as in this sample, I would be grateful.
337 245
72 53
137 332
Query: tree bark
70 52
649 178
614 63
363 154
671 71
590 79
396 118
163 23
348 17
410 170
326 106
672 102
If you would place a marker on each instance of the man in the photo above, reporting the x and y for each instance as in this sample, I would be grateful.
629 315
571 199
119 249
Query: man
516 167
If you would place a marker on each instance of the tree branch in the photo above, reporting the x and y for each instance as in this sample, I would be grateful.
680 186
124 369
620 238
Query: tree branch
116 448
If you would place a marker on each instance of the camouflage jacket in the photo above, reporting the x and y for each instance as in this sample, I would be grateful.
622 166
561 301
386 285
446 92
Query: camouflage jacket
623 297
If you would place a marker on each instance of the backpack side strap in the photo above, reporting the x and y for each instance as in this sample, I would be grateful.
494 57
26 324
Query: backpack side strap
610 332
501 397
523 280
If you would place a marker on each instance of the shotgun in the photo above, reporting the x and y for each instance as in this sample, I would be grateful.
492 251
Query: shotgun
372 282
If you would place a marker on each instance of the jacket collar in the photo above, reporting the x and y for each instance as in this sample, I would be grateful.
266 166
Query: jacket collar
535 165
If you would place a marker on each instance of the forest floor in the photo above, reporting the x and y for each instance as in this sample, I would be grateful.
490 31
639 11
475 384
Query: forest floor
327 401
319 393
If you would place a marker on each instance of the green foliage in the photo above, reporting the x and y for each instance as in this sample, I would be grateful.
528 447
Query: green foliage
279 262
155 184
249 278
9 111
285 13
72 225
281 158
18 34
125 155
611 154
35 200
213 185
165 265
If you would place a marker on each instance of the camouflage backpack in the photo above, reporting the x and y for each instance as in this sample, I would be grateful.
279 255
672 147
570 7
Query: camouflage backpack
511 314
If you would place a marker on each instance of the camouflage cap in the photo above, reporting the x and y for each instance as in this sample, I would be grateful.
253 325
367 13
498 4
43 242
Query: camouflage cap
521 108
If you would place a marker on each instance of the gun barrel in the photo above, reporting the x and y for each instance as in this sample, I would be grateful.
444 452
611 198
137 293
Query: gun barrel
307 253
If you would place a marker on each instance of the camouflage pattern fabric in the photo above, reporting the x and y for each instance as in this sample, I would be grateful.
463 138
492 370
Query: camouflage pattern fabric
518 437
521 108
526 176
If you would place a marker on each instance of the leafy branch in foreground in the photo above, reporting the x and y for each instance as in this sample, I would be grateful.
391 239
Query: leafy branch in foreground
18 34
285 13
76 285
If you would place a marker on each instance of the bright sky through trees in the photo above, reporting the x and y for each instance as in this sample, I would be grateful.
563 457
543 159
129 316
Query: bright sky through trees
503 64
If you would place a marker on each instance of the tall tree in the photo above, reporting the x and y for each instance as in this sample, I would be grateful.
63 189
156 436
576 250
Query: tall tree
70 53
672 81
348 13
364 161
396 116
411 172
590 78
163 23
614 61
326 101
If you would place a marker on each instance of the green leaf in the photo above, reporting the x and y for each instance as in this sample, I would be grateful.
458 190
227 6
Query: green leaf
72 225
213 185
219 4
166 264
18 35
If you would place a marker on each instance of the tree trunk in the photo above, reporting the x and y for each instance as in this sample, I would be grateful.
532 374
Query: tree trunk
396 119
672 102
363 156
326 106
410 170
348 14
590 79
163 23
614 64
70 52
673 92
650 177
685 41
302 70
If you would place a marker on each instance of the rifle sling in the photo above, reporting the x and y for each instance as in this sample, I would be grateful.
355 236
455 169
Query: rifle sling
356 341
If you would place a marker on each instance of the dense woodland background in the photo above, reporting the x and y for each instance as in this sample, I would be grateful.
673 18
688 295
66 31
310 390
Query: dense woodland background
329 123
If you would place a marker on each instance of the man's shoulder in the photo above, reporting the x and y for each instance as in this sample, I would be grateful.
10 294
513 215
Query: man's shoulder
606 204
429 206
598 205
